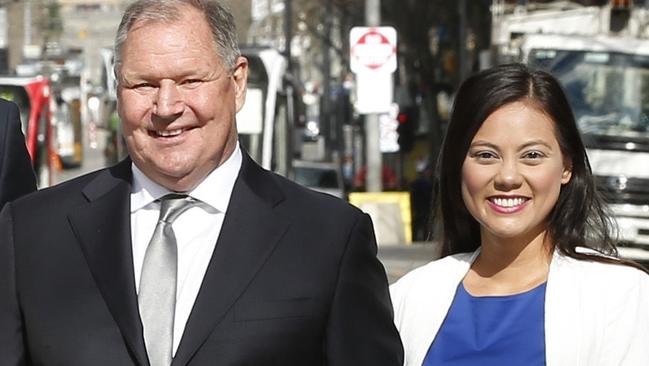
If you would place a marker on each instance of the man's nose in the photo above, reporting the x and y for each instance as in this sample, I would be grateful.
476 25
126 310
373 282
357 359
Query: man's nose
169 101
509 176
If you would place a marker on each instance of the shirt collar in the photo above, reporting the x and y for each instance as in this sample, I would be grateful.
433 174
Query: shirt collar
145 191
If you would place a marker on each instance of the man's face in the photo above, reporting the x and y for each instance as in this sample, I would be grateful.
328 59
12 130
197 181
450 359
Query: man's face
177 101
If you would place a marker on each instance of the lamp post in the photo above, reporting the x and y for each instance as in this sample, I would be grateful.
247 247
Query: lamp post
288 34
288 82
373 182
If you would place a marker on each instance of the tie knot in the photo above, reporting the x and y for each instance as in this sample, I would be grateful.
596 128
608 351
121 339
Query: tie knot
173 205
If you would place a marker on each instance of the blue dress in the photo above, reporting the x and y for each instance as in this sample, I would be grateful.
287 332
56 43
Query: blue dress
491 330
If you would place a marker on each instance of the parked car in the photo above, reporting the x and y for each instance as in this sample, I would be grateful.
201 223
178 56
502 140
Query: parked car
320 176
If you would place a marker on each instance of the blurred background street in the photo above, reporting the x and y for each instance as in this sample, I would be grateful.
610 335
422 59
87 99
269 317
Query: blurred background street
352 97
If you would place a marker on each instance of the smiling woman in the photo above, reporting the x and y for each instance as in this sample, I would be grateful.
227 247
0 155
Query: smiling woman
513 173
530 272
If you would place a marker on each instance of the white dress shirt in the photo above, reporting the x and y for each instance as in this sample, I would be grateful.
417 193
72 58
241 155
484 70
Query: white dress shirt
196 230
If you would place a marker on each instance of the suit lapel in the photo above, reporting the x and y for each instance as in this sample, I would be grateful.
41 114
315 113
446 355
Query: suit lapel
102 227
250 232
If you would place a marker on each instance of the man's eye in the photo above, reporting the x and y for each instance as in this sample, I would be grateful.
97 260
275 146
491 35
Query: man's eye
191 83
143 86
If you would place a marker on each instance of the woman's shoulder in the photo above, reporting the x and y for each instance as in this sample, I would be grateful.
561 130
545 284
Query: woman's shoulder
614 276
443 270
439 265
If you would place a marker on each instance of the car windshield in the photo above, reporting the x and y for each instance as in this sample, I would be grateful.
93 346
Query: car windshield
316 177
609 92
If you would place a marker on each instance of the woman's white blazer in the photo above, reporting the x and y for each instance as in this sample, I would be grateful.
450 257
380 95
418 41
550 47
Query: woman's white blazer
595 314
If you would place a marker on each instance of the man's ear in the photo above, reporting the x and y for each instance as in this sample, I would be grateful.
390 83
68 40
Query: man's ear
240 80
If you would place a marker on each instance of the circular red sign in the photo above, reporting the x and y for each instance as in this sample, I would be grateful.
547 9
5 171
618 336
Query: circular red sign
373 50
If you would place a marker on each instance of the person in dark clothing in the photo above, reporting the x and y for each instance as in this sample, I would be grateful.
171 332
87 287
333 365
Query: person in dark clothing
421 196
16 173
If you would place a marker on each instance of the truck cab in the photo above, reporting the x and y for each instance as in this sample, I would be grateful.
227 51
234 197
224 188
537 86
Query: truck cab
603 66
607 84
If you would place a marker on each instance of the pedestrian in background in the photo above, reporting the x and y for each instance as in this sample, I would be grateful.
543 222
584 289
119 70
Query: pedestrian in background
421 198
16 173
530 275
188 251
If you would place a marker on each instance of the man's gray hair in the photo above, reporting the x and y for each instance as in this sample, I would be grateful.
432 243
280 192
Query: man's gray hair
218 17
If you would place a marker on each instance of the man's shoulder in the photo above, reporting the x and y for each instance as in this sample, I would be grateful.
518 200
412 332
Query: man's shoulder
301 197
302 206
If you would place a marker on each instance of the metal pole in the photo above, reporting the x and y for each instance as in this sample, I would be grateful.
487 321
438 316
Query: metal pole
288 82
373 182
463 64
326 120
288 34
27 23
373 13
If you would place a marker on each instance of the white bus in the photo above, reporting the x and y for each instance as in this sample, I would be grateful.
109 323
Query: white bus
268 120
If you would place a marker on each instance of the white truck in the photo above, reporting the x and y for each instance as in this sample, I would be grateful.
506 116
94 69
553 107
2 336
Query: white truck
601 57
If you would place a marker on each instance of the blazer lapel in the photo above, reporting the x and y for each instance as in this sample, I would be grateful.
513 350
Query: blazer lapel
432 305
563 309
250 232
102 227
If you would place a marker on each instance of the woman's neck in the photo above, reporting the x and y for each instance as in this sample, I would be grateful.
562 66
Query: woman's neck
509 266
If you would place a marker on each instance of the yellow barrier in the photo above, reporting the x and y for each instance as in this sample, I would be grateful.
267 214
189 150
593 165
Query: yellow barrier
381 206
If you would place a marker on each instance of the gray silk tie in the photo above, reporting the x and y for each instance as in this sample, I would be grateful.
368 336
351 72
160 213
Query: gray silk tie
157 296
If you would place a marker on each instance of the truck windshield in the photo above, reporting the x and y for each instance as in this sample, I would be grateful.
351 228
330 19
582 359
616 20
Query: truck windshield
608 92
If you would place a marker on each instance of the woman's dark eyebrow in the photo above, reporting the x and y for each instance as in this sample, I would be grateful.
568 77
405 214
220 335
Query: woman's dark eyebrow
523 146
535 142
484 143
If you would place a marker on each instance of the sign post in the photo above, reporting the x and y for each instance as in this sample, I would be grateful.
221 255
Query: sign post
373 59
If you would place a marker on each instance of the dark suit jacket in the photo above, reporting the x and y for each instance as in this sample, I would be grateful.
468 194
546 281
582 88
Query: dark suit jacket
16 173
294 280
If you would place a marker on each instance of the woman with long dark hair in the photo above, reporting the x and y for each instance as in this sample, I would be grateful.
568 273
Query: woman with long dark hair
530 273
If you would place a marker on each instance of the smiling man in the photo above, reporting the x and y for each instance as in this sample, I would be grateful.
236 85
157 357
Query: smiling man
187 252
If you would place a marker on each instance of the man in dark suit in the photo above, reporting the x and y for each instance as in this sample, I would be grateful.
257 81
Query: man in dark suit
242 266
16 173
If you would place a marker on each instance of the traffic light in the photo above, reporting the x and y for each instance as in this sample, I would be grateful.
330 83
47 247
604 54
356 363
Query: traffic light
407 127
620 15
621 4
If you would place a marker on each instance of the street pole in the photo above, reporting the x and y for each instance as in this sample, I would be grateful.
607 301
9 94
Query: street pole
27 24
373 182
288 82
373 13
288 34
326 120
463 64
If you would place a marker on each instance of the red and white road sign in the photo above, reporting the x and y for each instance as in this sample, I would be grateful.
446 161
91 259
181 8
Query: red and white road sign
373 49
